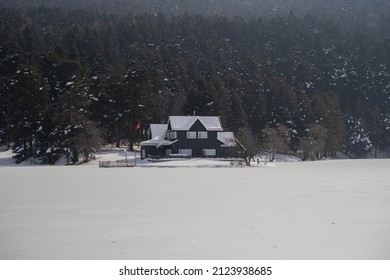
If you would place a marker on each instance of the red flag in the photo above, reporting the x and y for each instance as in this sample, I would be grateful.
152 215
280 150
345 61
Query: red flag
138 126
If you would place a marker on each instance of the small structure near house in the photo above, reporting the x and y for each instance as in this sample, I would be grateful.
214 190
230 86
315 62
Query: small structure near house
189 136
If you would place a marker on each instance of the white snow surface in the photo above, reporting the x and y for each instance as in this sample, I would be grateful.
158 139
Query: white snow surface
227 138
289 210
157 130
185 122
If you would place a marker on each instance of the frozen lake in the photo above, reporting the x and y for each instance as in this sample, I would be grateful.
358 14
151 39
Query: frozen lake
304 210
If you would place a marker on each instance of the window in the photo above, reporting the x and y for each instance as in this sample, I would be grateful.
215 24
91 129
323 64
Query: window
191 135
171 135
187 152
209 152
202 134
168 152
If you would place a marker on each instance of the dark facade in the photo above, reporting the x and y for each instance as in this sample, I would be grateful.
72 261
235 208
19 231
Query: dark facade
196 140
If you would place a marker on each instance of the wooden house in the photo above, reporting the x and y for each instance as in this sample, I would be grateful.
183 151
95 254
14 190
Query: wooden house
188 136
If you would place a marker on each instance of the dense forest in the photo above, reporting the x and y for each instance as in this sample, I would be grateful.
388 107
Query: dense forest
366 10
72 79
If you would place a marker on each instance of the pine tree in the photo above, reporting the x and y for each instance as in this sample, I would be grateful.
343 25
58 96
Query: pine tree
237 119
222 105
111 52
3 113
133 104
79 135
141 108
28 102
201 100
48 140
375 129
101 106
358 143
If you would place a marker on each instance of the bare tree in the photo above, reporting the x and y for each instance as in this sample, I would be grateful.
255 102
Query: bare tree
276 139
313 146
248 143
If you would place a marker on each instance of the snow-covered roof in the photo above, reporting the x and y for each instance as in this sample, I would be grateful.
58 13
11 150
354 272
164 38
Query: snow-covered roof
185 122
157 130
157 142
227 138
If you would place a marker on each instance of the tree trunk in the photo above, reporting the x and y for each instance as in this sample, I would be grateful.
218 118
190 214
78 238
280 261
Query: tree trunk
75 156
117 137
272 156
131 145
31 150
25 149
376 151
86 156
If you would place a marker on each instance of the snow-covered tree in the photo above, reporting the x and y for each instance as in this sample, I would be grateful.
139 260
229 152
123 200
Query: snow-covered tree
28 102
78 134
359 143
133 104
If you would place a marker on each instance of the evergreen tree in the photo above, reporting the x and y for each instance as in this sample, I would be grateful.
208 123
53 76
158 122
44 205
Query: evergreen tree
201 100
377 133
359 143
79 135
237 119
48 140
134 104
3 113
27 105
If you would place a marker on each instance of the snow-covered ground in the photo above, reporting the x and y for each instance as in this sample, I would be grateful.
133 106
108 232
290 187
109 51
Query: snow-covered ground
302 210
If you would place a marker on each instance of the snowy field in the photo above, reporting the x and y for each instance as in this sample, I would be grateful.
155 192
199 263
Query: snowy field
303 210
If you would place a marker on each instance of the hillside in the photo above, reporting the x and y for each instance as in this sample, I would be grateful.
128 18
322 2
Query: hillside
72 79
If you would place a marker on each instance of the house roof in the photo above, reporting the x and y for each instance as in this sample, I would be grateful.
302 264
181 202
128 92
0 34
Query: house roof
227 139
157 130
157 136
157 142
185 122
